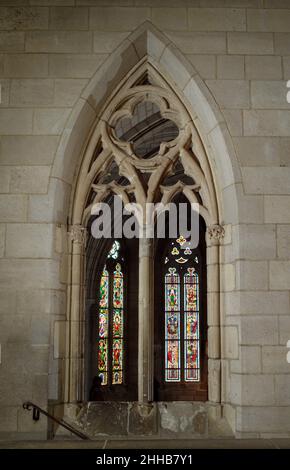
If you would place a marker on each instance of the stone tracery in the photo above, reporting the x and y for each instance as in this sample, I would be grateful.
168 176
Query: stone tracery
145 175
178 164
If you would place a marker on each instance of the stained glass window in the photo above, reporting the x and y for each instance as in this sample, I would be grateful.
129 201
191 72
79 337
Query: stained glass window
191 326
117 355
172 326
182 326
110 348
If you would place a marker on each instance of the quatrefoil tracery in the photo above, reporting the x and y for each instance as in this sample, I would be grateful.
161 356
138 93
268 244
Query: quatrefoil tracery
133 166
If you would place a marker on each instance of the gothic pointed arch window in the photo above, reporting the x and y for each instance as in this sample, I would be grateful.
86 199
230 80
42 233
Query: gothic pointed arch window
147 151
111 318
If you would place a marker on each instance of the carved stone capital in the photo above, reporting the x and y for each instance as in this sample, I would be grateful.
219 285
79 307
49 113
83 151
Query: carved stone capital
216 233
78 234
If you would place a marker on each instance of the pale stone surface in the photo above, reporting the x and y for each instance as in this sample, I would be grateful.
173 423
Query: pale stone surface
59 41
213 337
107 41
259 330
26 18
118 19
69 18
169 61
4 179
213 19
49 121
67 91
59 339
53 2
266 180
274 360
15 121
284 329
8 419
51 207
34 301
282 43
252 275
27 150
206 115
280 275
230 66
234 120
268 94
2 239
267 122
283 241
71 144
276 4
182 417
74 65
228 281
230 3
204 64
231 342
259 151
282 385
31 92
257 242
199 43
5 90
13 208
29 241
29 179
250 43
249 361
26 65
31 274
286 67
252 389
173 19
12 41
230 93
256 303
263 67
277 209
268 419
2 65
268 20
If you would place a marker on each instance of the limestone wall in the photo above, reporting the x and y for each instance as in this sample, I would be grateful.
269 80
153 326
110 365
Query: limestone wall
49 53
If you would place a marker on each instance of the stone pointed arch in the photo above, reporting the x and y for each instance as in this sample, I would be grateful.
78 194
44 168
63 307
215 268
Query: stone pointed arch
148 43
145 49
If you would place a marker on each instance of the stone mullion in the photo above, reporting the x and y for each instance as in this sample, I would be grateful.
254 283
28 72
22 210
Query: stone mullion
76 321
215 234
145 332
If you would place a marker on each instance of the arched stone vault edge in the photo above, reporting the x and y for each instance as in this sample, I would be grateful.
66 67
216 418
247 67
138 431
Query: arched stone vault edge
149 45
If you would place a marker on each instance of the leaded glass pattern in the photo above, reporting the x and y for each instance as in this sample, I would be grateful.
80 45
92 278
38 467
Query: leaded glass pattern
104 288
191 326
181 308
103 327
172 326
110 348
118 314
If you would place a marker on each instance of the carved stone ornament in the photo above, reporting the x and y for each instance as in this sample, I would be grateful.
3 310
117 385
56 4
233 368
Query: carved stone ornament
78 234
216 233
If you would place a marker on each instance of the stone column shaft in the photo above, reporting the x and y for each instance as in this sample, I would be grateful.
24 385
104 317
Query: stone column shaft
145 334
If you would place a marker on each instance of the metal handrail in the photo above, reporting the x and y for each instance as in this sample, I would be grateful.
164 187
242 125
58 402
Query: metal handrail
28 405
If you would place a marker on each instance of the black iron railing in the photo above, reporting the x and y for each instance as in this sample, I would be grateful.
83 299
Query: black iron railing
36 411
